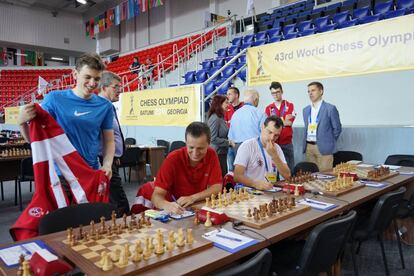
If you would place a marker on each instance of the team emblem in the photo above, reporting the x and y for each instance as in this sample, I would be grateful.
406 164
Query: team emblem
260 162
36 212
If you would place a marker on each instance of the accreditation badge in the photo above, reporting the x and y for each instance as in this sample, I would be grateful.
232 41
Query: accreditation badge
271 177
312 130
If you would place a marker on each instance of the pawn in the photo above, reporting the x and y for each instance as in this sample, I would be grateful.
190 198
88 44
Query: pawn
249 213
190 238
20 269
26 268
151 243
115 255
208 222
138 247
196 220
102 260
170 245
123 258
147 251
126 250
180 239
137 255
107 265
171 237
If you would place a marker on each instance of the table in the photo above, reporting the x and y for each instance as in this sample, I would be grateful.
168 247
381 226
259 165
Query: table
213 258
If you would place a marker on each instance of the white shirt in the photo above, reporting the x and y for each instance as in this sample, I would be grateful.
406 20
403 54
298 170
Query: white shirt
314 114
249 155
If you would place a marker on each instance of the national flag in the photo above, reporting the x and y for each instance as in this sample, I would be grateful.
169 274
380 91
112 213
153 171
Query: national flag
96 26
41 86
87 29
144 5
20 57
91 27
117 12
102 22
131 8
124 11
110 18
136 7
250 7
157 3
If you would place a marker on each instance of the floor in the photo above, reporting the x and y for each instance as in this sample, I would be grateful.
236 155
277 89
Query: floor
369 259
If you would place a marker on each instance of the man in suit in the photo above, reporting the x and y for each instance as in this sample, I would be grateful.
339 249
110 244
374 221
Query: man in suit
322 128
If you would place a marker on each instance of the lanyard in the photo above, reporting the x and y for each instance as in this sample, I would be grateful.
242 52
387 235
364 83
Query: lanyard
317 115
264 156
283 111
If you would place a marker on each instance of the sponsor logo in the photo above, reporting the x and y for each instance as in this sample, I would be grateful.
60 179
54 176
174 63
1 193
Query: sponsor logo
36 212
77 114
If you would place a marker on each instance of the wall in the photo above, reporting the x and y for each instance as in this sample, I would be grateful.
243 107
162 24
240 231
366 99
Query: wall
37 28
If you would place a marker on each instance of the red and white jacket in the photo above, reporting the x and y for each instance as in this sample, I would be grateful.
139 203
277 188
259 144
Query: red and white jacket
51 147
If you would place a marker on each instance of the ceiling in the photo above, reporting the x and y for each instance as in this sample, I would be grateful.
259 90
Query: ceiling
71 6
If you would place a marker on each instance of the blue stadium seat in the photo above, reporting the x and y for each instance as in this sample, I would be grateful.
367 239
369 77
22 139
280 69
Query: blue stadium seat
333 7
213 70
229 58
246 45
218 62
264 18
276 23
321 22
349 2
260 35
326 28
361 13
224 88
206 64
201 76
307 32
209 88
392 14
242 59
237 41
305 25
382 8
242 75
341 17
248 39
233 50
273 32
228 71
275 38
189 77
289 29
347 24
369 19
405 4
222 52
259 42
290 36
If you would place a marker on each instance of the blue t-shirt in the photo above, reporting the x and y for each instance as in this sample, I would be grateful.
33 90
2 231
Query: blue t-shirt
82 120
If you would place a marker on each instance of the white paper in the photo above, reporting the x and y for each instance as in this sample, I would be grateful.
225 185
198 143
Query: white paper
365 165
354 162
10 255
316 204
230 243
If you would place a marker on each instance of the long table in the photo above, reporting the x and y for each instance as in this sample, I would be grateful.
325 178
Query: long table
211 259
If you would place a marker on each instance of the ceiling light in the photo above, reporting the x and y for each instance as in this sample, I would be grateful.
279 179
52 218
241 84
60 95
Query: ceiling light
83 2
57 58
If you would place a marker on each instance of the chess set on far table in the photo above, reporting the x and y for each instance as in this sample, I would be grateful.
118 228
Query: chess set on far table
129 247
374 174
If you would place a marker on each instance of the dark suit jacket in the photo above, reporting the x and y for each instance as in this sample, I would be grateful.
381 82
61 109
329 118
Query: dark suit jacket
219 134
329 128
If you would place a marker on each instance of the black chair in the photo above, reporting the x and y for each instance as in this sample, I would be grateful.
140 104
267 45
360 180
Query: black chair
166 144
406 208
26 174
257 266
73 216
345 156
130 141
400 160
384 212
325 244
305 167
132 157
176 145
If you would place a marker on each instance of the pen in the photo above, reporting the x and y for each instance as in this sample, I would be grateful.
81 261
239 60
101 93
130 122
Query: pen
315 202
229 238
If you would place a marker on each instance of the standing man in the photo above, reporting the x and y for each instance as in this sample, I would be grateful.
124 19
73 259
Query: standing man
322 128
246 122
233 96
83 115
110 87
284 110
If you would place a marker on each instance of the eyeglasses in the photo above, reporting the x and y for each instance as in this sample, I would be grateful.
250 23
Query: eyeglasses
116 87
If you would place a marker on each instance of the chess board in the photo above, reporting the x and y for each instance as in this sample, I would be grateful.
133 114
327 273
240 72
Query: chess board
363 174
87 255
239 211
319 186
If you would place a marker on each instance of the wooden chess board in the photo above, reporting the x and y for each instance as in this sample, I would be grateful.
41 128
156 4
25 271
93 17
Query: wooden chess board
239 211
87 255
363 174
319 186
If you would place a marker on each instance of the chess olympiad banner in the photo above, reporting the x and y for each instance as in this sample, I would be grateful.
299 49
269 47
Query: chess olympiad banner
175 106
11 114
381 46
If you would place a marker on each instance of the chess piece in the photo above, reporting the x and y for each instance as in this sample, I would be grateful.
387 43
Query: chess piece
124 221
196 220
160 245
138 247
170 245
256 214
107 265
80 235
249 213
296 193
126 250
151 243
102 260
292 203
208 222
207 202
180 238
137 253
190 238
26 268
119 230
115 255
148 222
113 217
103 226
147 251
123 258
69 234
20 269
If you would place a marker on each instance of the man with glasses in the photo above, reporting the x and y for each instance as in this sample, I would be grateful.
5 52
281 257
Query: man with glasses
286 111
110 88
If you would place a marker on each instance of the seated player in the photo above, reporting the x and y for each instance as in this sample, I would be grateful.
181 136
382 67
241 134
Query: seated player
187 175
259 159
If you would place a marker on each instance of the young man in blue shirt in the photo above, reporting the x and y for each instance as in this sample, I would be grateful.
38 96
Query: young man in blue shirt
82 114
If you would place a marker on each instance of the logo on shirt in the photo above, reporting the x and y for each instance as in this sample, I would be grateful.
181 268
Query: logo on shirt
260 162
36 212
77 114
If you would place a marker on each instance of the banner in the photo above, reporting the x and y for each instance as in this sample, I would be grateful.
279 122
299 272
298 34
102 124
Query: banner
10 115
175 106
381 46
42 86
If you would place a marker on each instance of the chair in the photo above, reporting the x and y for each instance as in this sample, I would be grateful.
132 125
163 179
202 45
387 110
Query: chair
189 77
341 17
369 19
248 39
237 41
364 3
130 141
243 75
345 156
163 143
233 50
291 36
361 13
392 14
406 208
307 32
259 42
275 39
209 88
260 35
326 28
382 8
73 216
304 25
206 65
384 212
405 4
273 32
288 29
176 145
222 52
201 76
321 250
26 174
321 22
305 167
258 265
132 157
223 89
400 160
347 24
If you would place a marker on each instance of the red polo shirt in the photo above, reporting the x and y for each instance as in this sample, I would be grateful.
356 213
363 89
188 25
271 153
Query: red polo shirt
230 111
178 177
286 108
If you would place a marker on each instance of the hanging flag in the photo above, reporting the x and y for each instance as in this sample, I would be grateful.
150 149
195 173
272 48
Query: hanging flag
87 29
124 11
96 25
42 85
131 9
20 57
110 18
117 13
136 7
102 22
91 27
250 7
156 3
144 5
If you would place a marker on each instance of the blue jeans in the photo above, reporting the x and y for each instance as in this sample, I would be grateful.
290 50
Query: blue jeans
231 155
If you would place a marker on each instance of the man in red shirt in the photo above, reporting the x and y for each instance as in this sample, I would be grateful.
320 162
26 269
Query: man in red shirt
286 111
233 96
189 174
